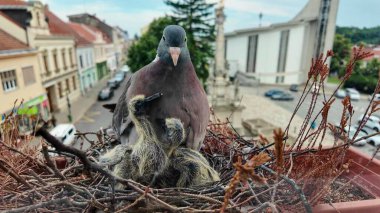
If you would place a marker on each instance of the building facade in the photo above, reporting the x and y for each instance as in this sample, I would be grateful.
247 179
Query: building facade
85 57
48 34
20 78
115 39
282 53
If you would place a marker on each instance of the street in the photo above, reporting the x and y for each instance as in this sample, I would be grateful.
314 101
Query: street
97 117
335 112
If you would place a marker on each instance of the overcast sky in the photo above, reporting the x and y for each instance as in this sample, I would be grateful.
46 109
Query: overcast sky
132 15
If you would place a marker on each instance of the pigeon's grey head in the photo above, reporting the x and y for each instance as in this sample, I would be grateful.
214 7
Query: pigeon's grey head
173 48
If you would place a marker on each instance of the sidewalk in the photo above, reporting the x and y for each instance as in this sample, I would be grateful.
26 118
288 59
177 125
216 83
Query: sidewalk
81 105
262 108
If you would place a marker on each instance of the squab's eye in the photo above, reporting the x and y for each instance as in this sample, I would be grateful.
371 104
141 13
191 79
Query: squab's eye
163 37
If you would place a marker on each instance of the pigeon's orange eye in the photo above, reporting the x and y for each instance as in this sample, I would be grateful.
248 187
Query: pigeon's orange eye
163 37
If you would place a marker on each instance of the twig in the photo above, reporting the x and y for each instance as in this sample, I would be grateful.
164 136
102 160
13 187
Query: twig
294 186
95 167
37 177
13 174
61 201
51 164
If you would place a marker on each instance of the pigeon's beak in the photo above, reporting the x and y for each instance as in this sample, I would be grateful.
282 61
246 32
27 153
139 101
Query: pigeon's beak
174 53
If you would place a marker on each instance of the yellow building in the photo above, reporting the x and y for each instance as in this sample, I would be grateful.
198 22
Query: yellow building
35 25
20 79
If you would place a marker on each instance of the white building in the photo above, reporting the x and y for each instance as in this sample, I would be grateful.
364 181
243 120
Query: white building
281 53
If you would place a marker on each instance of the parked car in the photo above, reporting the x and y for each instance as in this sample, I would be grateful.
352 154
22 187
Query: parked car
113 83
340 93
105 94
282 97
293 88
376 98
351 132
373 122
121 74
374 140
64 133
271 92
119 78
316 89
125 69
353 94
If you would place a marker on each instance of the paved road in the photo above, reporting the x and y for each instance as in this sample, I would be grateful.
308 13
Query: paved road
335 112
97 116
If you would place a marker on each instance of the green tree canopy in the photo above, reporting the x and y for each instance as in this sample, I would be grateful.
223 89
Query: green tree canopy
342 52
196 17
357 35
143 51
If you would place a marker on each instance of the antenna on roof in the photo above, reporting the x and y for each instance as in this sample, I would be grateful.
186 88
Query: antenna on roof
260 18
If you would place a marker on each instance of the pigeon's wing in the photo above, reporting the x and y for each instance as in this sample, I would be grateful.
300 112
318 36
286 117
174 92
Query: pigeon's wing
121 122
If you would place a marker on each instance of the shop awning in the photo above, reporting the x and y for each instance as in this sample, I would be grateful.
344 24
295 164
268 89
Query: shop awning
33 110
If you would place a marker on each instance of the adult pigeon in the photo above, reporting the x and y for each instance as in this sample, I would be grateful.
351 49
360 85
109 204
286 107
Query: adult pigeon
172 74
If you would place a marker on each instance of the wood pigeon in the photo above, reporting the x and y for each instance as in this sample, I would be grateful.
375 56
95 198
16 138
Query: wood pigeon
172 74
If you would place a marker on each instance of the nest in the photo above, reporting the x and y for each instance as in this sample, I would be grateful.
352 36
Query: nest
257 175
251 177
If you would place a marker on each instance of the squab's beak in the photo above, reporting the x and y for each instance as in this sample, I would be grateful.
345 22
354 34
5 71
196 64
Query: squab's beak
174 53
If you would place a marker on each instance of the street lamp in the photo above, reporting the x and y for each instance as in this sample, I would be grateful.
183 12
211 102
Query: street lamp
69 116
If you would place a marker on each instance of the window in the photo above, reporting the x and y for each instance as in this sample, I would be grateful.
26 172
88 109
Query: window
67 85
60 89
71 57
81 61
8 80
252 53
64 59
38 19
46 62
87 59
74 83
28 74
282 55
55 61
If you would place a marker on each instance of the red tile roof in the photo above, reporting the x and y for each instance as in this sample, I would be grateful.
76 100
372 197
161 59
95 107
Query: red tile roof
83 31
56 25
13 2
8 42
96 30
78 31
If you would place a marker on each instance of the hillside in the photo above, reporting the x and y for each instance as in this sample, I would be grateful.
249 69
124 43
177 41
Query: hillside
357 35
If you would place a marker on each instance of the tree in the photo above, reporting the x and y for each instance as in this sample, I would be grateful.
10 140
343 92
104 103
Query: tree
342 52
372 68
357 35
196 17
143 51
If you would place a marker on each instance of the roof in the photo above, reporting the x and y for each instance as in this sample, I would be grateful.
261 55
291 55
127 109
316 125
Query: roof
56 25
78 31
8 42
96 30
83 31
267 28
13 2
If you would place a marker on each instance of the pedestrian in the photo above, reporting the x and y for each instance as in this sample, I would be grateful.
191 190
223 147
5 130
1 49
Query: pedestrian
313 125
53 120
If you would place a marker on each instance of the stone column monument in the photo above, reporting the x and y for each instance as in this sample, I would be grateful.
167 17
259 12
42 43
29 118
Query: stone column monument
224 95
